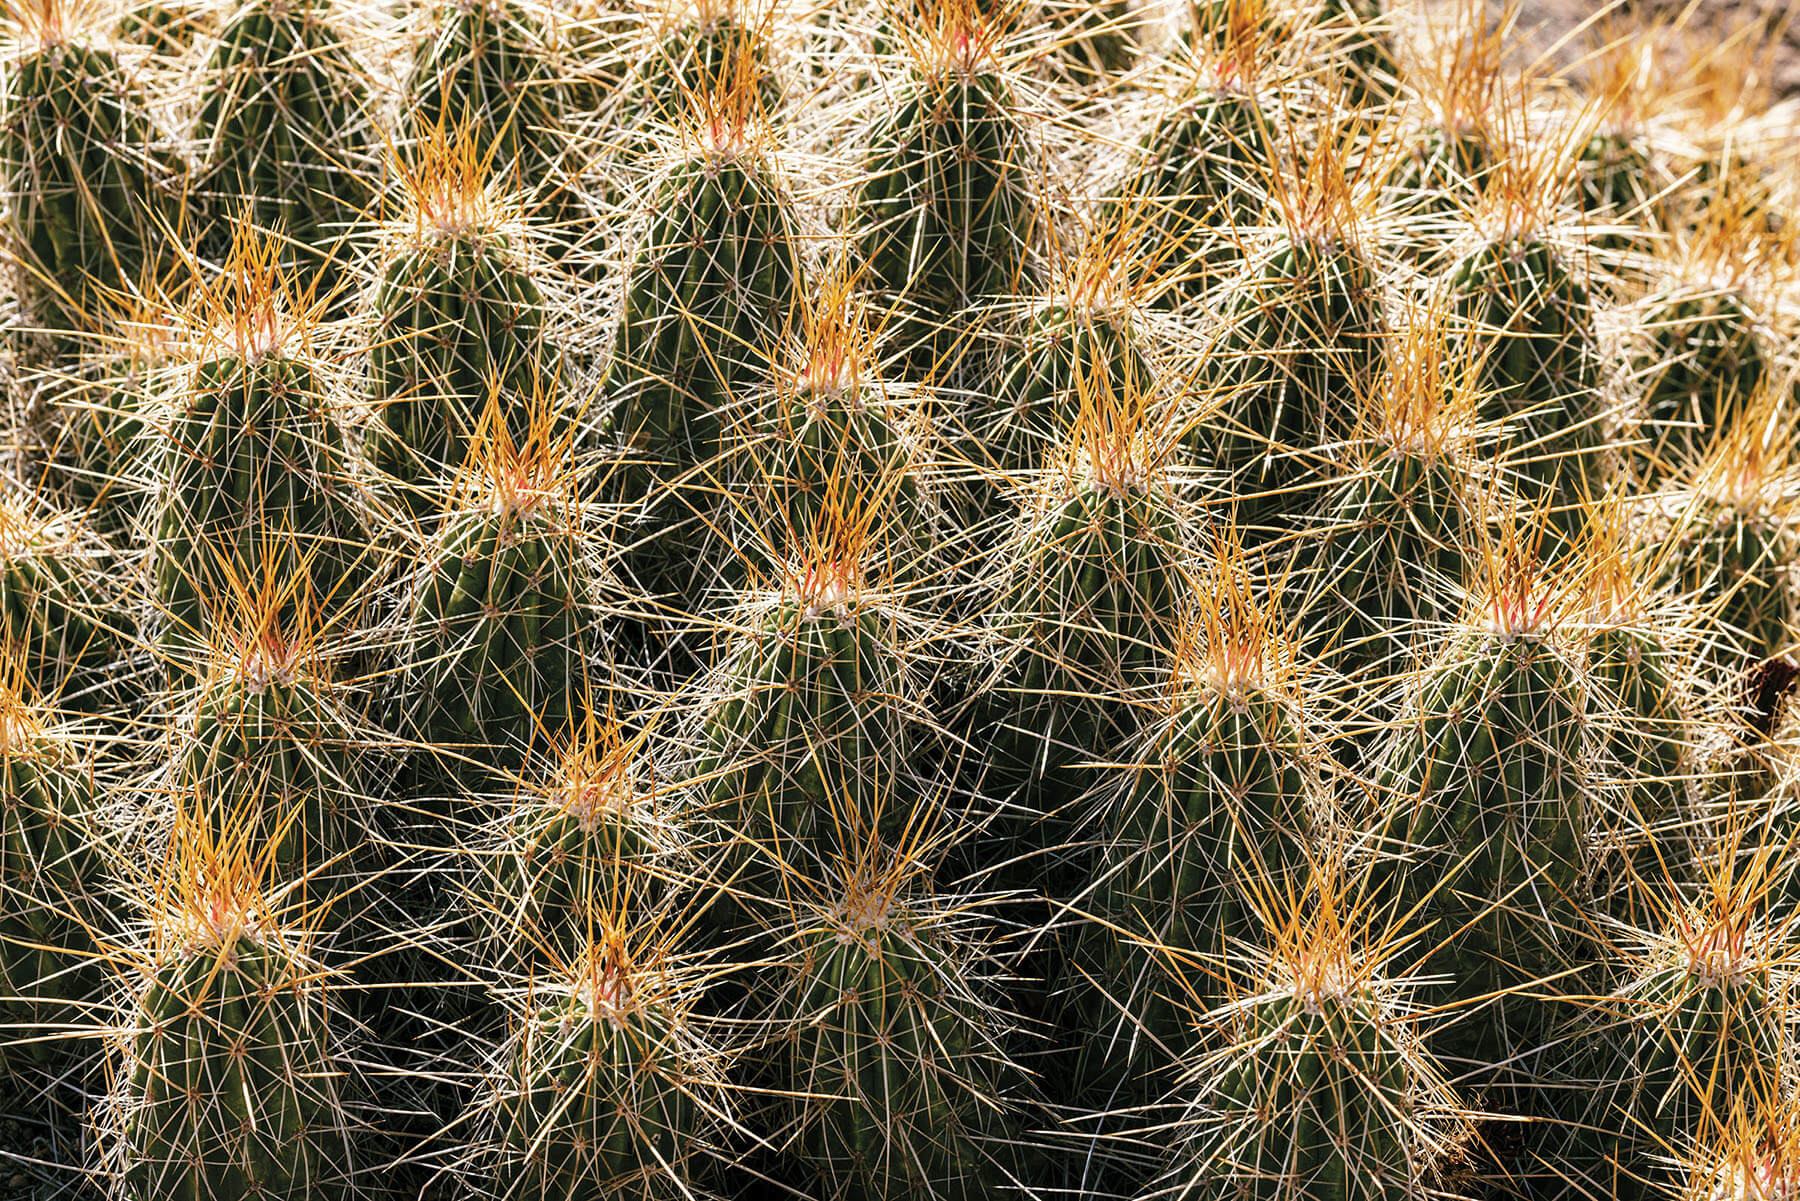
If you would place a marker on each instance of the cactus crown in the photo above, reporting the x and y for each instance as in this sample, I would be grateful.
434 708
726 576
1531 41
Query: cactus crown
596 768
23 532
954 38
209 889
253 310
519 474
620 973
1240 51
1324 200
1620 75
21 723
1715 937
1750 465
1723 245
1232 643
729 124
1616 568
1755 1156
825 575
265 633
837 346
1523 190
449 184
1517 595
1321 946
1424 404
1116 444
46 24
1462 82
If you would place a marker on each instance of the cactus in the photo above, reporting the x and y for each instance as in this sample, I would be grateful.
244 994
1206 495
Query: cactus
711 290
1531 320
1083 337
1095 582
1401 526
53 918
1323 1090
485 67
945 203
457 314
85 177
693 47
284 125
1487 781
1363 40
832 433
807 723
1464 141
608 1087
99 438
167 27
591 842
1302 340
268 732
1213 813
1699 352
1642 707
229 1085
1204 160
1736 540
1696 1029
252 461
891 1060
503 613
62 617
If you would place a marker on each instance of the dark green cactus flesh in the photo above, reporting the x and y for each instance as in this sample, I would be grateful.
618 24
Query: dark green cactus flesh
504 622
807 728
1397 548
1531 316
254 479
712 290
1740 560
1319 1098
284 124
1639 710
52 910
604 1099
1211 822
1093 604
1066 351
1667 1057
830 439
231 1091
85 182
890 1057
1486 780
945 204
1203 165
455 318
1702 362
485 66
1302 345
269 734
578 855
1219 800
54 609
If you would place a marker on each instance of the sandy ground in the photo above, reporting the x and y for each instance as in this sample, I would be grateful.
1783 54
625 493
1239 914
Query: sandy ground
1563 31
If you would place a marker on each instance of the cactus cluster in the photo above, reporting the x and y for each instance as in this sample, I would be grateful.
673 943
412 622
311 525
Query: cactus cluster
895 600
